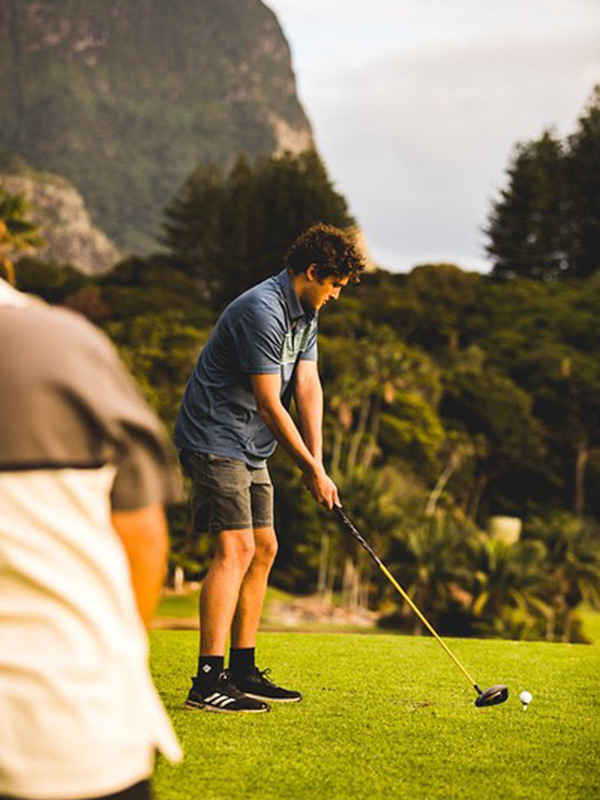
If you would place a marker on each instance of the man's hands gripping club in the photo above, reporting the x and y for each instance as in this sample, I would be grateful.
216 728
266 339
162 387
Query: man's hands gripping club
322 488
305 448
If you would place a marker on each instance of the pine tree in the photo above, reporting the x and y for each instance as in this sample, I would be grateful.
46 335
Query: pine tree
528 223
583 171
191 225
232 231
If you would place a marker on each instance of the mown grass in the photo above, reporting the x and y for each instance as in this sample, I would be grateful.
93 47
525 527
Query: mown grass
390 716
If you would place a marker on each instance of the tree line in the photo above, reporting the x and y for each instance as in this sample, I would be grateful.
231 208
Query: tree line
546 222
451 398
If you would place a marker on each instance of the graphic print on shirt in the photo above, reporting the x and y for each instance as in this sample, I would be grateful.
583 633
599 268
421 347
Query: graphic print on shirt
294 344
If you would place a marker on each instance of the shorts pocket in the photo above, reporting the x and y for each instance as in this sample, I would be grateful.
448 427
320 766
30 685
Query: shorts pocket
226 475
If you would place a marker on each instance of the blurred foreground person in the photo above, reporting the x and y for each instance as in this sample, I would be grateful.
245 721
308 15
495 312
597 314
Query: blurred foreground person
84 472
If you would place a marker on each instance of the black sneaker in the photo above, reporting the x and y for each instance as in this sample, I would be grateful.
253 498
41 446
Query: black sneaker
259 687
223 696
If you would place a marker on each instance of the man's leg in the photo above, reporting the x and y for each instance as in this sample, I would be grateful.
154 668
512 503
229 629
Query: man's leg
244 673
220 593
221 504
212 689
253 588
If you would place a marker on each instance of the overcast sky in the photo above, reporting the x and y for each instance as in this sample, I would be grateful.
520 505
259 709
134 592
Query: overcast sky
416 106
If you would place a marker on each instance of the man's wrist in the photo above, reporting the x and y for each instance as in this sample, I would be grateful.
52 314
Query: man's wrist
315 469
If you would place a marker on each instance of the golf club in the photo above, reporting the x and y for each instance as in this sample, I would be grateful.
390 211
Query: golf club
487 697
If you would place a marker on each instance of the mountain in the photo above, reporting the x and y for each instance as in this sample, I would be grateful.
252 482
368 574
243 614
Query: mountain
59 212
125 97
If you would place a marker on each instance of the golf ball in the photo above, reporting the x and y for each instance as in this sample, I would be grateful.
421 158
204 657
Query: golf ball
525 698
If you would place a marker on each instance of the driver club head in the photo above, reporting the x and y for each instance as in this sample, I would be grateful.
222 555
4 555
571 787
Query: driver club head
492 696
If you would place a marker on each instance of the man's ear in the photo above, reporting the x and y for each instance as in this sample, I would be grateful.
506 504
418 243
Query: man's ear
311 273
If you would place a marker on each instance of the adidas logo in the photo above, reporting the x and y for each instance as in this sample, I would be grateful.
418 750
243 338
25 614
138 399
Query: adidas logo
220 700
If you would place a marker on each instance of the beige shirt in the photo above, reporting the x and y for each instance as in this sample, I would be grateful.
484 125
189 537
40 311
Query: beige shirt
79 714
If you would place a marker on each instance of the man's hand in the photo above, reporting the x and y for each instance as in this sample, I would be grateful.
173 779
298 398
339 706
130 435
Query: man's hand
322 488
267 392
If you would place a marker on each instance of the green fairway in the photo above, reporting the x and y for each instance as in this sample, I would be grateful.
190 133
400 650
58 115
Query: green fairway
390 717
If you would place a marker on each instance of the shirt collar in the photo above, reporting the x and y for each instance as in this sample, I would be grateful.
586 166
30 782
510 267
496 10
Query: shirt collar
295 307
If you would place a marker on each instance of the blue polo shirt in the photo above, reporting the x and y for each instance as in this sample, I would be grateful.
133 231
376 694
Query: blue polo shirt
264 330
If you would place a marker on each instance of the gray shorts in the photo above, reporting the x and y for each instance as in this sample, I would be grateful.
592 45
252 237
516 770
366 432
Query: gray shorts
227 494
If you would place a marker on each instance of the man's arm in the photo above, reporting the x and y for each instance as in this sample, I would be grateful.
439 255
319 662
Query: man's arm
309 404
144 535
267 389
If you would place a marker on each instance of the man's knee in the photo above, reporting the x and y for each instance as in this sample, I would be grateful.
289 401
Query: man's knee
235 549
266 545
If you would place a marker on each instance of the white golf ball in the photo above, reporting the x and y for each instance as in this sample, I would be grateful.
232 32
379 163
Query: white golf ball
525 698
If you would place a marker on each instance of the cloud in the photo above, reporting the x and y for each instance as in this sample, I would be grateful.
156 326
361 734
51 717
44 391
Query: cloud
416 106
419 141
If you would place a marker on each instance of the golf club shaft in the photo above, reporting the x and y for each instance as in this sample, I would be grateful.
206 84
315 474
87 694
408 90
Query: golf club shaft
355 533
429 627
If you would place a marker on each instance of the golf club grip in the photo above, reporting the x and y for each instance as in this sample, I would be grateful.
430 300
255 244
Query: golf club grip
354 532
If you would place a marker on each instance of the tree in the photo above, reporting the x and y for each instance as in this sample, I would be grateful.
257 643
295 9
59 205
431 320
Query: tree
383 395
192 226
527 229
231 231
583 180
437 297
546 222
497 415
545 339
436 566
506 586
570 566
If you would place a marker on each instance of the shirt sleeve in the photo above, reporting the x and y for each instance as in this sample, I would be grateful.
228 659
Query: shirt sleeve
258 337
146 472
72 404
121 428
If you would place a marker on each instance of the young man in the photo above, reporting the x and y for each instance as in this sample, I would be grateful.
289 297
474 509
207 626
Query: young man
262 351
84 471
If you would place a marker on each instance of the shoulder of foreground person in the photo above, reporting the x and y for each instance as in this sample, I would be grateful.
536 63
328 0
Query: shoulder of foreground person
62 365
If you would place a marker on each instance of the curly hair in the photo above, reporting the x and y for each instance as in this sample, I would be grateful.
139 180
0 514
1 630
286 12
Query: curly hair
331 250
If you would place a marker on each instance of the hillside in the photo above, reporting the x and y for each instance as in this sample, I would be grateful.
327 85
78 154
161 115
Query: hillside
124 97
59 212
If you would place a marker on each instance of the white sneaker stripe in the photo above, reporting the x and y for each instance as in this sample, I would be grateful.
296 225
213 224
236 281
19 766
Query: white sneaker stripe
227 701
219 699
212 698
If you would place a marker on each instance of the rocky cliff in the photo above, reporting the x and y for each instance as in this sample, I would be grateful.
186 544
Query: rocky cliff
124 97
59 211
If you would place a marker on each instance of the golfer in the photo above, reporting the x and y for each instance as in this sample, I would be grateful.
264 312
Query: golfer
262 352
84 470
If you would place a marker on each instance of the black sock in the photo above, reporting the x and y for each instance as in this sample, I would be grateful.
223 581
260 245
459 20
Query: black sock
209 669
241 660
